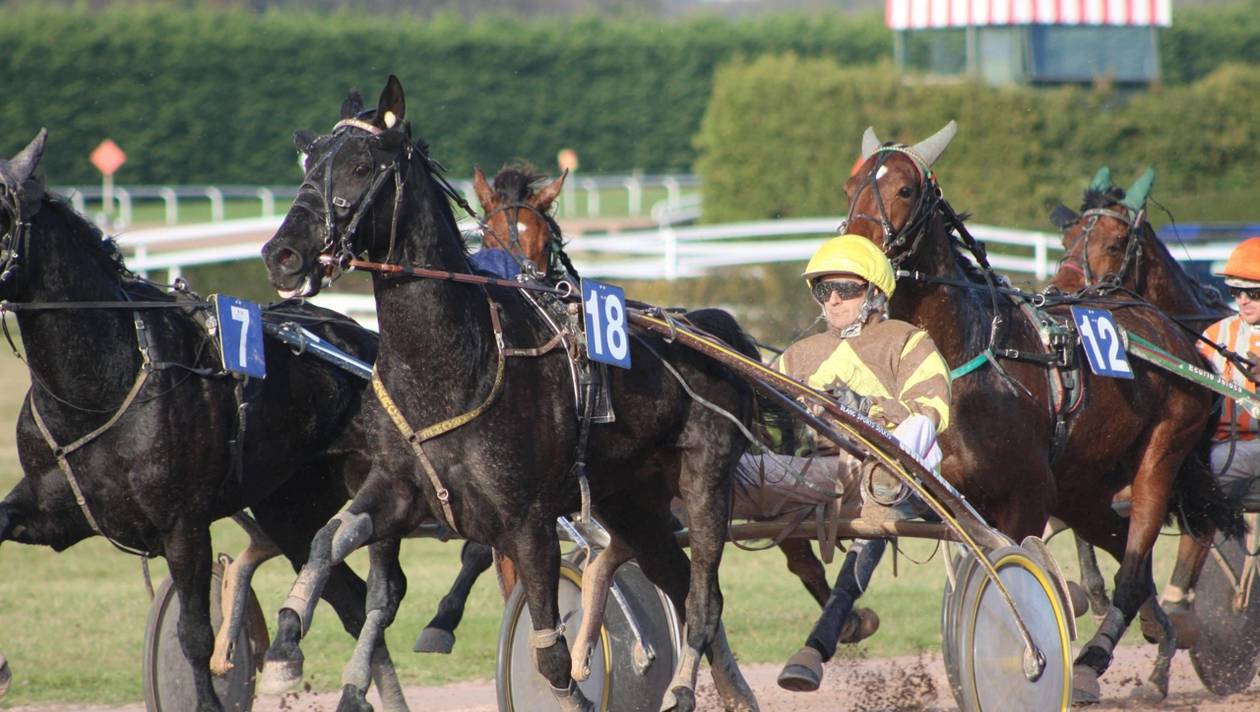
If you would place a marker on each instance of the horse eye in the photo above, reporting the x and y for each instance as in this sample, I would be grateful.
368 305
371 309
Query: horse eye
905 191
1113 249
362 169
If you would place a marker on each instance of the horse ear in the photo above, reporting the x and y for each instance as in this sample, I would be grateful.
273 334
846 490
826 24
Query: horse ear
1102 180
353 105
1136 195
23 165
869 142
1062 216
392 107
550 192
931 148
484 194
303 140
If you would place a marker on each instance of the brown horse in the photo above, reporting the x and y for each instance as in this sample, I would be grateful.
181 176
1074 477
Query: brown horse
517 216
1110 248
1010 448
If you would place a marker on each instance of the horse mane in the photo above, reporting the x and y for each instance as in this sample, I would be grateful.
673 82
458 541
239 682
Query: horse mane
84 236
517 180
1094 199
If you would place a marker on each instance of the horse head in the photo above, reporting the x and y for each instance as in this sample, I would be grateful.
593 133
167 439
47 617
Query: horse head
516 211
348 200
21 195
893 193
1103 243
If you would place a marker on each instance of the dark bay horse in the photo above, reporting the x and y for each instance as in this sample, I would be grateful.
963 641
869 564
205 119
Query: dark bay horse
1112 250
144 417
494 457
1001 449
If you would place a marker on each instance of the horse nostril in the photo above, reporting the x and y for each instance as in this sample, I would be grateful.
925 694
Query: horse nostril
287 260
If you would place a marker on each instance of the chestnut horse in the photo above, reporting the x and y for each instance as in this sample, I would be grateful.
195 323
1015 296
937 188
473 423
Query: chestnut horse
1111 249
1005 449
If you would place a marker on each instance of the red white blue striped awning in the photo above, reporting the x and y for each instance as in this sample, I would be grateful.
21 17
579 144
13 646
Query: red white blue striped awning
925 14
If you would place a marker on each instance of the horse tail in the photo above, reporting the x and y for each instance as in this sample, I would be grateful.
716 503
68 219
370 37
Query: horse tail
1198 502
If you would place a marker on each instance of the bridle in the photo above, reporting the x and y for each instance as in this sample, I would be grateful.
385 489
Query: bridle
511 210
15 240
1078 260
910 234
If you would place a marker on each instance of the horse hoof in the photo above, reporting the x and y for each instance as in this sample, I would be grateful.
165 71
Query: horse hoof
1147 694
683 700
1078 598
803 671
1085 687
861 624
353 700
280 676
435 640
5 676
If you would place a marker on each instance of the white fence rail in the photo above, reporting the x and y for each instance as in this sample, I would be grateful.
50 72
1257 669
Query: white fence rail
589 187
667 252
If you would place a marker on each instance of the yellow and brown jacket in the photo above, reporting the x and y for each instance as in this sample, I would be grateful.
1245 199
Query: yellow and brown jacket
892 363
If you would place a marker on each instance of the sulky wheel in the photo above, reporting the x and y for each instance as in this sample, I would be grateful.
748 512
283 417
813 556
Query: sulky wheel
987 650
624 676
1227 654
168 685
951 603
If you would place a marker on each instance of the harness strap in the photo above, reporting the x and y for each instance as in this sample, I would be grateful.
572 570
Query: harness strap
416 439
976 362
62 454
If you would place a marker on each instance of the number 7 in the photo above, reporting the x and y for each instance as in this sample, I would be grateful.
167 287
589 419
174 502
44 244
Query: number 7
241 314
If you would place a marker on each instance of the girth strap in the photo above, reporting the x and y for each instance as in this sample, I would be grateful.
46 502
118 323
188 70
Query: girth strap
62 454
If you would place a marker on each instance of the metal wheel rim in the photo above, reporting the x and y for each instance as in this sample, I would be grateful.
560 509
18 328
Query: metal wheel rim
991 651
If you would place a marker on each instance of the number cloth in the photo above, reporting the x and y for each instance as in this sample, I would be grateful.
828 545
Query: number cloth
1243 338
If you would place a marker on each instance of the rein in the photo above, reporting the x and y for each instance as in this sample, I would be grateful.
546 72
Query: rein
564 291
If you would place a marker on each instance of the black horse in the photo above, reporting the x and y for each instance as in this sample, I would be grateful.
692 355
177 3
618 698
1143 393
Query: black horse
144 419
500 467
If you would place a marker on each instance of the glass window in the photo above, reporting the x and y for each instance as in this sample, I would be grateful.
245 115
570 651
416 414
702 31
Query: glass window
1074 54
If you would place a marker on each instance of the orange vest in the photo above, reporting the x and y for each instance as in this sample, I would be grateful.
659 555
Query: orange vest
1243 338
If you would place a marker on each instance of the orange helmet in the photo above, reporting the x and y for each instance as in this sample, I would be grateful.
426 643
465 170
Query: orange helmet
1243 267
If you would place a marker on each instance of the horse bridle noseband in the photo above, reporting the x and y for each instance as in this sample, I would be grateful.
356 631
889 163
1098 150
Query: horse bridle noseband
1132 249
15 240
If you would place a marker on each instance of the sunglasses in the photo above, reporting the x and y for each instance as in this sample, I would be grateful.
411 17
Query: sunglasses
845 290
1253 293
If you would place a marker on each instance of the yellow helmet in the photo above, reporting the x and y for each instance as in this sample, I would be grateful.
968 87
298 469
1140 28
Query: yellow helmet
852 254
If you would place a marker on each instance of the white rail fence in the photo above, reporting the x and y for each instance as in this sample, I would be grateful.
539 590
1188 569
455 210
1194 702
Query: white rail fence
591 188
664 253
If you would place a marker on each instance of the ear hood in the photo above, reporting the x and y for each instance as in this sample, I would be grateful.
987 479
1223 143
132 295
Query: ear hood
1135 197
931 148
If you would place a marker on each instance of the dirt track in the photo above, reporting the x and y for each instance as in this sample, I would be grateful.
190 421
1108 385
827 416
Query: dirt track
877 685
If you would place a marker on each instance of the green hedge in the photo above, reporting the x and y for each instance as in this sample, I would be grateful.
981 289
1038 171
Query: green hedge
215 95
782 133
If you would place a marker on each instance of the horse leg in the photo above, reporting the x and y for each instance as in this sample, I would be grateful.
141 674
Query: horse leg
235 594
536 552
6 676
187 551
1134 583
439 635
1092 578
1166 639
803 671
597 579
707 495
386 587
1192 551
802 562
643 524
282 670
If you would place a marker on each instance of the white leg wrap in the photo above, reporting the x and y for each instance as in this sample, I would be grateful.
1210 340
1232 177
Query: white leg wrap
354 530
305 594
386 680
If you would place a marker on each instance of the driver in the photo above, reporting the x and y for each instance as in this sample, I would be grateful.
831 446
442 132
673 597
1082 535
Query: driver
1235 449
882 368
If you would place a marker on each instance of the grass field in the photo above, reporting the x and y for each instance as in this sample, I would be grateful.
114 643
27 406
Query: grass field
72 624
